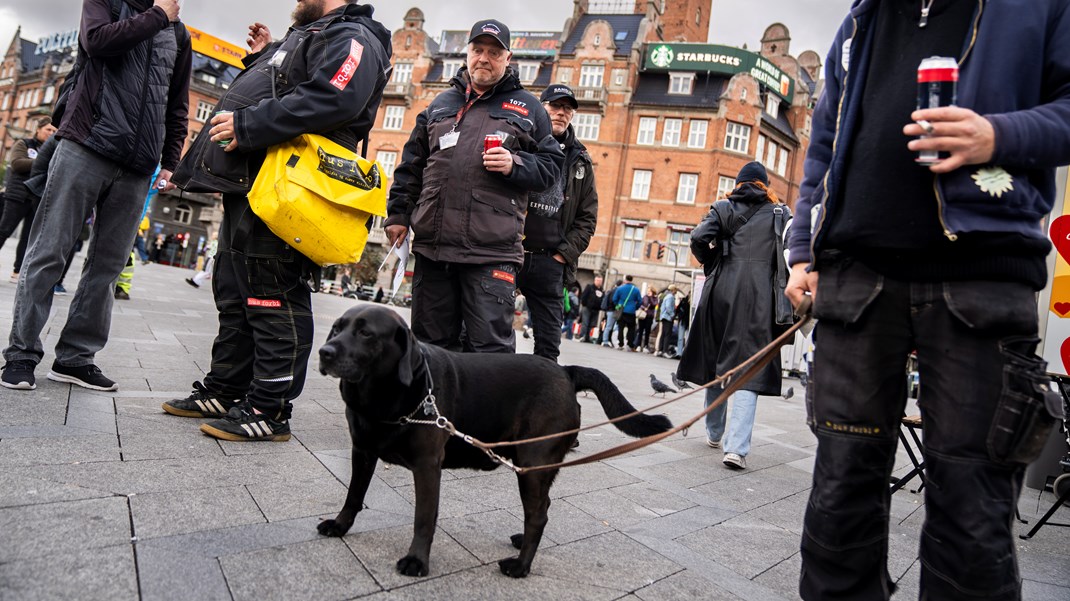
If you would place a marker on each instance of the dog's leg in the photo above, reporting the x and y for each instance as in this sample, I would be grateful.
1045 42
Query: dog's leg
535 494
363 468
428 478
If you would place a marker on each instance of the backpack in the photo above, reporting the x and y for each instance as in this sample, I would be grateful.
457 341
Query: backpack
65 90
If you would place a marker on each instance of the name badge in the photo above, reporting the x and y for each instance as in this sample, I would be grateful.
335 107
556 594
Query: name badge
448 140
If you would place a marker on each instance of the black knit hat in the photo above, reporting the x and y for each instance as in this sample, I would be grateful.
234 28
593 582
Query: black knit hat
753 172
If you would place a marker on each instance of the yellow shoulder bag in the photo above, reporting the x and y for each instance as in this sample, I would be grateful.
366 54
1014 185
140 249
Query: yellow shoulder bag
319 197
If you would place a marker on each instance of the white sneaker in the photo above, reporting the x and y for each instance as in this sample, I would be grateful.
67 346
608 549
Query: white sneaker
713 444
734 461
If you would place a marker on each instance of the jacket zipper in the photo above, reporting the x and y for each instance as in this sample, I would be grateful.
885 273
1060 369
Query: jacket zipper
144 92
950 235
835 143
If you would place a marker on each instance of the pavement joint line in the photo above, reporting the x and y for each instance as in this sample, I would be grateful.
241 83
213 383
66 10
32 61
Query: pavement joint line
792 556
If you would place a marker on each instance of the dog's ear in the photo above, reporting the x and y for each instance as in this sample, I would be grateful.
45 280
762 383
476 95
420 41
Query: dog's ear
405 343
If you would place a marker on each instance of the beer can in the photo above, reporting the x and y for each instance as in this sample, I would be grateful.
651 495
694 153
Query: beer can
938 78
223 143
491 141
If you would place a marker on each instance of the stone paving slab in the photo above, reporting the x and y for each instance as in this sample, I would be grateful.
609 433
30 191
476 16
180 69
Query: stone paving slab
118 500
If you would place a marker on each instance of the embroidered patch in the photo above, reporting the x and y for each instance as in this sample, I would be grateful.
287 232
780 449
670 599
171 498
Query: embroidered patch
267 304
994 181
504 276
581 171
345 73
516 109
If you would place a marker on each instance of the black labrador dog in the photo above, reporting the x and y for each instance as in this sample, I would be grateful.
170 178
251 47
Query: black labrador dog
386 374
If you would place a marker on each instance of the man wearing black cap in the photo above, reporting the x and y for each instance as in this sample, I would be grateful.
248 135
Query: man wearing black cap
559 227
466 200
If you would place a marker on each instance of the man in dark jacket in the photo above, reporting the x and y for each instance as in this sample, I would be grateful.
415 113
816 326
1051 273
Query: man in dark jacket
19 203
590 306
559 226
466 207
326 76
943 259
134 59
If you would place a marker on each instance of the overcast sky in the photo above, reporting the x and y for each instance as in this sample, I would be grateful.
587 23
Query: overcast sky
734 22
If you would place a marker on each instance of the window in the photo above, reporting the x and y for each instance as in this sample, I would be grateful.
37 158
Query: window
450 68
206 77
685 193
619 76
632 245
698 16
647 125
564 75
5 102
408 41
204 111
737 137
696 137
772 105
743 94
671 135
679 247
529 70
809 124
770 154
395 116
36 97
681 83
725 185
50 94
591 76
597 40
387 159
183 214
758 154
587 126
21 100
782 163
641 184
402 73
620 36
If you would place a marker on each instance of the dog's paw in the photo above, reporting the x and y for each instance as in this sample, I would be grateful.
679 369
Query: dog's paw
517 540
513 568
332 528
412 566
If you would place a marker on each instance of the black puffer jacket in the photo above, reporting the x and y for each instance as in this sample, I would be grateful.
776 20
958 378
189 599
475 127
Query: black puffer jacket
458 211
131 101
736 314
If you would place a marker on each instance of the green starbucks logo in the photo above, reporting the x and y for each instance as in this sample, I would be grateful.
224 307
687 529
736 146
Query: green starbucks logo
662 56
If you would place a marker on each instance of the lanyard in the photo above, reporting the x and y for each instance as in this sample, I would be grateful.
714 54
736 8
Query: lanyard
468 105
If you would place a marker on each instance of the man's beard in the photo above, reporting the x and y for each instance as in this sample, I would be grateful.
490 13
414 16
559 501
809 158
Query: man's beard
307 11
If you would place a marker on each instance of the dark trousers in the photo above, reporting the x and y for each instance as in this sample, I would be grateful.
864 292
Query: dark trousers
588 319
625 329
666 339
966 334
642 335
265 314
541 281
447 295
14 214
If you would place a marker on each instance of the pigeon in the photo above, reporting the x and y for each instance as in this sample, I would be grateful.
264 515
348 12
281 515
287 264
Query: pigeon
659 386
679 383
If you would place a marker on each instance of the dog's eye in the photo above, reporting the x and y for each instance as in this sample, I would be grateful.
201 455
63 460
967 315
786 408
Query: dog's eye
365 333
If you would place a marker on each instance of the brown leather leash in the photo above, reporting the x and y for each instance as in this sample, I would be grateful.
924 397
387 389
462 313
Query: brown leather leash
735 378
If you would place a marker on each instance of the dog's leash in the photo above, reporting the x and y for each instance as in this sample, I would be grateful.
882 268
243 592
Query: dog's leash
749 368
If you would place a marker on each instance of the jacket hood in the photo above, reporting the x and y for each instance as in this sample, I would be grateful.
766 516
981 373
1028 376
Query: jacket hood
507 83
748 193
362 14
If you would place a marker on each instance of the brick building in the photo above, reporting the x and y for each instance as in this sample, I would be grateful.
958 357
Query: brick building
668 119
30 78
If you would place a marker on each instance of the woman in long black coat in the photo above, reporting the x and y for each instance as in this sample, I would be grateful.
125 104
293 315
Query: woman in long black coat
736 315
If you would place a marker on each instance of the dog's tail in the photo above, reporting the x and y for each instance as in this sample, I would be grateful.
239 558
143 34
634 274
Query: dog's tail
614 403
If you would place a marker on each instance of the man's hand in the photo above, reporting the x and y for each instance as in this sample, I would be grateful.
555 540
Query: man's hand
396 234
259 36
560 258
969 137
801 282
223 129
170 8
165 176
498 160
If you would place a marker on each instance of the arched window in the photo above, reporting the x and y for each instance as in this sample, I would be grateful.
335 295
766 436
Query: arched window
184 214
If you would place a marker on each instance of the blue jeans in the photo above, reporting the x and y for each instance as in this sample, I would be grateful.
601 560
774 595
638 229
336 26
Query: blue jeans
744 404
79 179
611 320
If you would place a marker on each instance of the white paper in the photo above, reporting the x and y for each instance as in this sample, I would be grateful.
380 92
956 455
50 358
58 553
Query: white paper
402 251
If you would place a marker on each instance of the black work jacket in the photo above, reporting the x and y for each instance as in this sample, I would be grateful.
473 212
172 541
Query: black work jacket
579 214
458 211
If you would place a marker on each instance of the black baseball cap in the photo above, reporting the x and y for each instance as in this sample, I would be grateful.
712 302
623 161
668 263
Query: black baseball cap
493 28
558 91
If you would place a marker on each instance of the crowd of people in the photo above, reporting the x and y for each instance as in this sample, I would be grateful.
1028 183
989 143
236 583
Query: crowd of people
943 258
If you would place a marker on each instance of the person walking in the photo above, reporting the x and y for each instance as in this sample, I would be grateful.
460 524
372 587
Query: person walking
626 301
609 308
20 204
940 257
326 76
644 320
590 305
202 276
467 202
107 157
683 321
736 315
558 228
666 315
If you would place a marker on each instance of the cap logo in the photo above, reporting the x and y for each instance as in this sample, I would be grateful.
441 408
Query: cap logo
491 28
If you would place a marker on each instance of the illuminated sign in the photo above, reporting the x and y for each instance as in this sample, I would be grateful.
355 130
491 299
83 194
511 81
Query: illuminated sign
719 59
216 48
522 43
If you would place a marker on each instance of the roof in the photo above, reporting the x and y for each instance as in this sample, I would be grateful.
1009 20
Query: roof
543 78
32 61
780 124
653 88
627 24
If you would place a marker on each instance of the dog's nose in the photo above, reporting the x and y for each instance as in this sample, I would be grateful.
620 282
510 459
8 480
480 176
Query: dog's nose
327 353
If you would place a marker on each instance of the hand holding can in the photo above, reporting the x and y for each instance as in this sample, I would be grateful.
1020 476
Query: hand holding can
223 143
938 78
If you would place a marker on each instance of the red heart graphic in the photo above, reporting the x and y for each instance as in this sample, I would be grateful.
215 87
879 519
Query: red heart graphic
1062 308
1064 351
1060 236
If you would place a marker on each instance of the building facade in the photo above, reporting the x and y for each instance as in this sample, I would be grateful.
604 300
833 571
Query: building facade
668 119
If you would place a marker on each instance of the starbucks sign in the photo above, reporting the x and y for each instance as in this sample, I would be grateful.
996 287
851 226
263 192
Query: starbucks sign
719 59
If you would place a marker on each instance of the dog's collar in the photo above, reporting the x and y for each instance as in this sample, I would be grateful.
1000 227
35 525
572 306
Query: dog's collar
428 406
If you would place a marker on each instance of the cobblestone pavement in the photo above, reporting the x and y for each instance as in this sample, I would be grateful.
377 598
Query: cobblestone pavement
103 496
